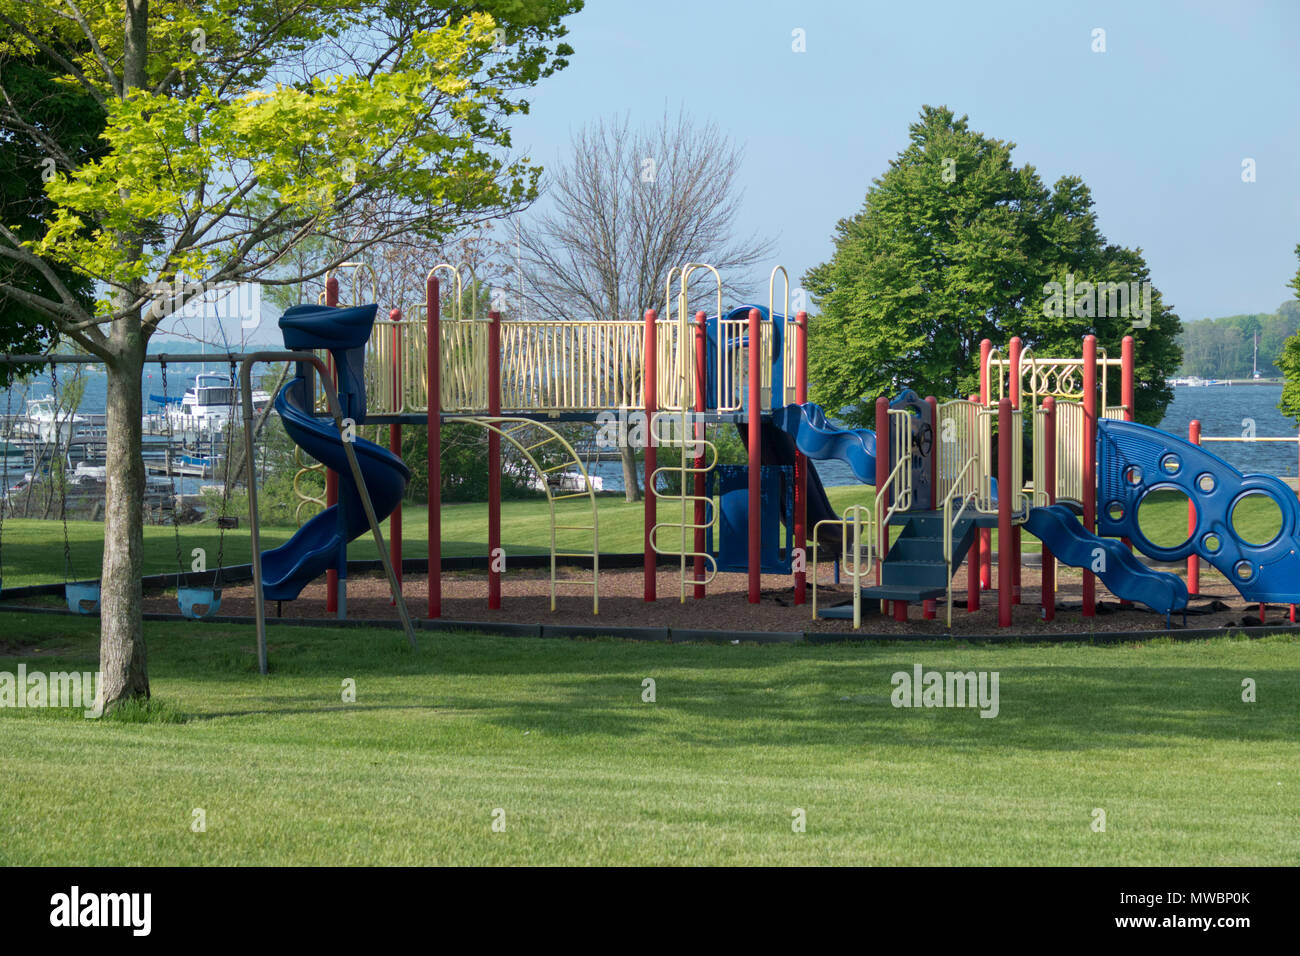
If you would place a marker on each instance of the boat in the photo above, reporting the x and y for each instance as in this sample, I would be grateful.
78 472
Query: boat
568 482
209 403
39 422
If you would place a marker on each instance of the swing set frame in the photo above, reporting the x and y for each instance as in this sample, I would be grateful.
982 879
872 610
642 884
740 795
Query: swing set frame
245 362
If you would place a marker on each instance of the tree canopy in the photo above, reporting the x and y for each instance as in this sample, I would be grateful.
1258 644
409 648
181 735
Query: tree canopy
67 115
1225 347
954 244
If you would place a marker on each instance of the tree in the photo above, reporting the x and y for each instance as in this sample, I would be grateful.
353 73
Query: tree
626 208
232 131
955 244
66 114
1289 362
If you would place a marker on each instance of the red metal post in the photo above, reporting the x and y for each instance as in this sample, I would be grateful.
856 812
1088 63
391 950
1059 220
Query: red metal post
395 446
1126 399
433 314
1017 480
701 385
1089 463
495 555
755 412
650 380
927 608
974 560
1193 560
331 476
1049 479
1126 377
800 462
1004 513
985 534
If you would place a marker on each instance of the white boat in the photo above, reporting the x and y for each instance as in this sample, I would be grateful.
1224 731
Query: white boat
568 482
210 402
39 421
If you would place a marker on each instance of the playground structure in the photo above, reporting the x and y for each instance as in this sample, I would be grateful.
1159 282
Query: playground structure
936 466
937 475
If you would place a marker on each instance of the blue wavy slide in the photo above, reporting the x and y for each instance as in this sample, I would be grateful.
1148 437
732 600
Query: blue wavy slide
317 545
819 439
1126 577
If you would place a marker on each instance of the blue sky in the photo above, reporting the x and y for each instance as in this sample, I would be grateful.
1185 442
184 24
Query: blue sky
1157 126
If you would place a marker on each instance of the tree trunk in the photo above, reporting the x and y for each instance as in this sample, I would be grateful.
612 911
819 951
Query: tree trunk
631 490
121 636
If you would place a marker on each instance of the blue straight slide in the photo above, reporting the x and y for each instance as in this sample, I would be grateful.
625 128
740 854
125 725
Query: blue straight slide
1126 577
318 545
819 439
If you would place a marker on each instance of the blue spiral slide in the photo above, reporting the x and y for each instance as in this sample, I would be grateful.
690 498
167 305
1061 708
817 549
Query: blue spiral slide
819 439
322 542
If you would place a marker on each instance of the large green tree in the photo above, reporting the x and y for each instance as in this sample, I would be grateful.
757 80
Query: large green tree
954 244
232 131
52 112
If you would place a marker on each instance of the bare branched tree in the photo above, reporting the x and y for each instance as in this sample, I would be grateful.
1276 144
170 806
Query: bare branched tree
625 208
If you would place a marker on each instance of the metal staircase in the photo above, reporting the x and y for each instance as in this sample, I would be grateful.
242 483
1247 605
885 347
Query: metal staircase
914 570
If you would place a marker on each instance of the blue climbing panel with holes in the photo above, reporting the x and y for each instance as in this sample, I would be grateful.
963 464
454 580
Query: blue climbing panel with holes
1135 460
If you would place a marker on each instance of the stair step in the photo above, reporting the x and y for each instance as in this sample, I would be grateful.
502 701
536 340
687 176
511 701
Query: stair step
844 612
902 592
914 574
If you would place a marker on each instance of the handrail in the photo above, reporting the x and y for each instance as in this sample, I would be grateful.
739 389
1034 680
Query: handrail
899 480
950 521
771 315
856 570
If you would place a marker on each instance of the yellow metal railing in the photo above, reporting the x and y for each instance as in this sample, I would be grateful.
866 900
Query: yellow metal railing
967 498
572 365
959 440
856 569
515 430
899 479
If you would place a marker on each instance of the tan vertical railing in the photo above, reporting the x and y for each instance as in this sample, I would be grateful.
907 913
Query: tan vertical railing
856 519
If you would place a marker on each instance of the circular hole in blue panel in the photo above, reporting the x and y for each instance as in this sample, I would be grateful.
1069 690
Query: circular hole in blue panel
1153 517
1115 511
1206 483
1133 475
1171 464
1243 571
1211 543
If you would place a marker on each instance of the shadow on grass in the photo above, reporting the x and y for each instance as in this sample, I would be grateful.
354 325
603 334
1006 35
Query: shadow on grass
725 696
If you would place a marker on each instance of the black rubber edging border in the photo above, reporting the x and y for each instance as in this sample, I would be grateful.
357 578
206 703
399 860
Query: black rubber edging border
700 635
237 574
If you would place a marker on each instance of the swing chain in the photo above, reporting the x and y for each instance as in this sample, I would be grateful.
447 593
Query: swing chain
171 479
4 492
63 482
225 483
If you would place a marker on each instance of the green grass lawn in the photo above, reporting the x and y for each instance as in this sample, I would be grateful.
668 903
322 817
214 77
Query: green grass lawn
556 735
33 549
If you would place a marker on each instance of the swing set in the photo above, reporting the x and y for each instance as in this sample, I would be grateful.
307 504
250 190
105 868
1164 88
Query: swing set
196 602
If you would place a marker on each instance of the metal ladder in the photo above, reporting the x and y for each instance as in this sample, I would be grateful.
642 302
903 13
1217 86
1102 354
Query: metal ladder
512 429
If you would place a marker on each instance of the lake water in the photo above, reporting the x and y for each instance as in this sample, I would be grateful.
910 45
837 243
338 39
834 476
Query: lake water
1221 410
